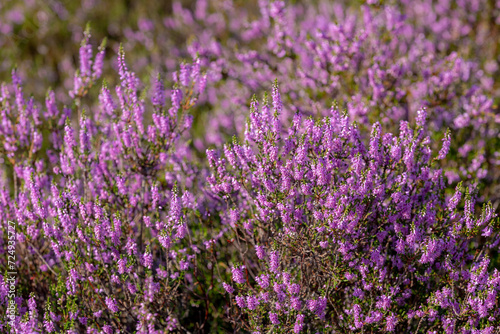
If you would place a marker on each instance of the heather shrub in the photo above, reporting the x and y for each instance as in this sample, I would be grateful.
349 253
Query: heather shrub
343 236
105 270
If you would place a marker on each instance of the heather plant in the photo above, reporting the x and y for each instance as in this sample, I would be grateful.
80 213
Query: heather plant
104 220
342 236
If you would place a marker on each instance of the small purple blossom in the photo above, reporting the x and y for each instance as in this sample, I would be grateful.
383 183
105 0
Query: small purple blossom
238 275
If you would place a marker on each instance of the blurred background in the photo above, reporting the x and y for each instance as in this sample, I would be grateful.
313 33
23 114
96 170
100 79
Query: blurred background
41 38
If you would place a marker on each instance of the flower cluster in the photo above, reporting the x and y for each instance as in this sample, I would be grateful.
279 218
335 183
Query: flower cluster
359 236
102 215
